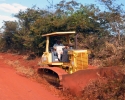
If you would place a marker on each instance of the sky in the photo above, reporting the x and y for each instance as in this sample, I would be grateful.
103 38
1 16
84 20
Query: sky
10 7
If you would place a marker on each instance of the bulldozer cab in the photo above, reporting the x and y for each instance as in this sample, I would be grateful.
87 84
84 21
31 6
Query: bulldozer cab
76 59
51 55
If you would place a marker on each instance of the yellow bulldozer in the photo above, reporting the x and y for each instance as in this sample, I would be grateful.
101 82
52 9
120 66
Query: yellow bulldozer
75 73
77 59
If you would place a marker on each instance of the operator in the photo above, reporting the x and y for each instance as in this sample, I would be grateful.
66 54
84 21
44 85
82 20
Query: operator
65 56
58 47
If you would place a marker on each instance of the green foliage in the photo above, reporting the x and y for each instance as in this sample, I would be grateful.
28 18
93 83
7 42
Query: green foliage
26 34
10 28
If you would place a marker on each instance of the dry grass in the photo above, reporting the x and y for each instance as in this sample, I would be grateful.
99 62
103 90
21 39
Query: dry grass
105 89
22 70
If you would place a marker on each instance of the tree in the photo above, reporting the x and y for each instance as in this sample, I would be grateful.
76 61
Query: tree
10 28
114 15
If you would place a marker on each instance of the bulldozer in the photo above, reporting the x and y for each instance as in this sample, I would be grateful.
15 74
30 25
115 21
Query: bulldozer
77 59
75 73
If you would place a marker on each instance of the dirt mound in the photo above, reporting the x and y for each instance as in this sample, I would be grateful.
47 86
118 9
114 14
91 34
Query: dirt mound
76 82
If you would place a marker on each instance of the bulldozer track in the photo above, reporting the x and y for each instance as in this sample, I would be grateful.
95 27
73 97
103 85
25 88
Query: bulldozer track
52 74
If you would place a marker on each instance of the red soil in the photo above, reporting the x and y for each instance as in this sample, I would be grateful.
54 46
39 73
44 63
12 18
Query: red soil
15 87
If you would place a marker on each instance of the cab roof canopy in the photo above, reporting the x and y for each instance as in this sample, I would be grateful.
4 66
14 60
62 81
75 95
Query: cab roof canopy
59 33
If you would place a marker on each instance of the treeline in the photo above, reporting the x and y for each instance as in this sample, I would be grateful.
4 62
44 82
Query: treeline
95 26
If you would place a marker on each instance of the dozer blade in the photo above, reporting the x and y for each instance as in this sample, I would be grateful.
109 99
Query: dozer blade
52 74
77 81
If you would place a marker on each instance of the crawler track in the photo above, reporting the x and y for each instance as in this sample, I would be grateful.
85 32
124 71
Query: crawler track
52 74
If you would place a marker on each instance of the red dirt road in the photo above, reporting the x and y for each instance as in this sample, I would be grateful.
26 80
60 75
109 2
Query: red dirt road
16 87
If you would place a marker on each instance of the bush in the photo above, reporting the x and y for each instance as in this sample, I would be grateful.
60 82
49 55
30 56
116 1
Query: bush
106 89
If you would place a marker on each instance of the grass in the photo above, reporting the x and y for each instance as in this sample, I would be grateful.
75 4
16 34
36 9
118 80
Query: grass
22 70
